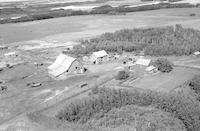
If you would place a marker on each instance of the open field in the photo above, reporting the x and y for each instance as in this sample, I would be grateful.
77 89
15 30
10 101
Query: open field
77 27
166 82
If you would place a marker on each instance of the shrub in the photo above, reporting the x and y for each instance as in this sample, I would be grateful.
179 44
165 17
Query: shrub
102 9
95 90
163 65
194 84
122 75
192 14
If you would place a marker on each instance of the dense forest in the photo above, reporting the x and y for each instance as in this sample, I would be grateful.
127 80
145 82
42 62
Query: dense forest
158 41
104 100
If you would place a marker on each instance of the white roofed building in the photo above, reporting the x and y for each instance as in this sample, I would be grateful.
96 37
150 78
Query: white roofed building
65 64
11 54
142 61
197 53
151 69
99 56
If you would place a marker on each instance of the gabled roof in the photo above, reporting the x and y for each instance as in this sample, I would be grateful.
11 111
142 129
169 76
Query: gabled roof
10 53
142 61
61 65
150 68
100 54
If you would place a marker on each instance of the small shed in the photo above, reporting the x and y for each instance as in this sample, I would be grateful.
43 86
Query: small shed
99 56
197 53
116 56
151 69
2 65
70 47
85 58
65 64
143 62
11 54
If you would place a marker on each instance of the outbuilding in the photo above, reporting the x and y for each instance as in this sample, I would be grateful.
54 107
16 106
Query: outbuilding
197 53
65 64
151 69
11 54
99 56
143 62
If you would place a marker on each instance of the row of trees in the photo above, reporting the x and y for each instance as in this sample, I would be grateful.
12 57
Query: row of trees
158 41
44 12
105 99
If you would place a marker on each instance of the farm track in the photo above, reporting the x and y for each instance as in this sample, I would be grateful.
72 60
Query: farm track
188 66
41 106
32 109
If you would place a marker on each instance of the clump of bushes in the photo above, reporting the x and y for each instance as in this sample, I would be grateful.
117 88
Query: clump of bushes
194 84
163 65
181 107
122 75
192 14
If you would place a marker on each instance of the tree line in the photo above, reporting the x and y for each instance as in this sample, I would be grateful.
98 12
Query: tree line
45 12
158 41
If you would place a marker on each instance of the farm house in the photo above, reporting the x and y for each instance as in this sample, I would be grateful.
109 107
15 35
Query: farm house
99 56
65 64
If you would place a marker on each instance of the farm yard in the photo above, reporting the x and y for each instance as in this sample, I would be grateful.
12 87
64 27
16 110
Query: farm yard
40 75
53 94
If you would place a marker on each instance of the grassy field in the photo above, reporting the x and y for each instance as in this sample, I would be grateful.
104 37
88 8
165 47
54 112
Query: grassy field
77 27
166 82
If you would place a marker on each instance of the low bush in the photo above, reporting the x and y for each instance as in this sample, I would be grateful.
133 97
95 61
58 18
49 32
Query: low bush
192 14
195 84
122 75
163 65
95 90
